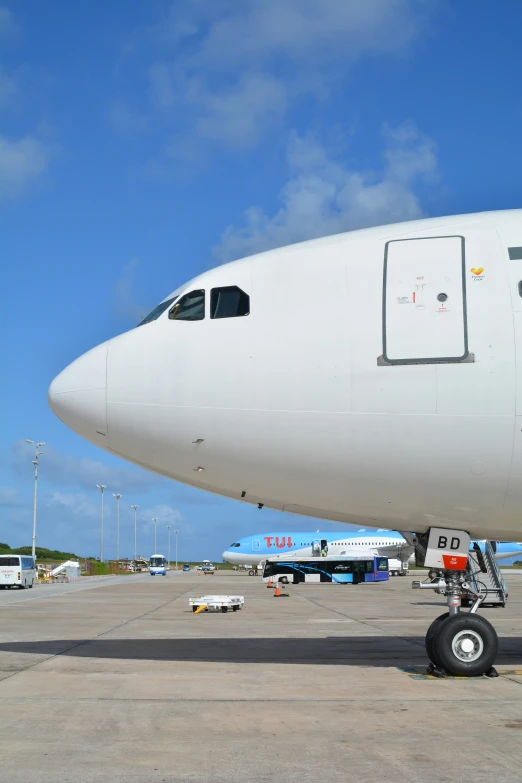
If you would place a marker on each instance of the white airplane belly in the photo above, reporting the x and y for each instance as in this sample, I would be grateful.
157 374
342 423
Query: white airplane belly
452 470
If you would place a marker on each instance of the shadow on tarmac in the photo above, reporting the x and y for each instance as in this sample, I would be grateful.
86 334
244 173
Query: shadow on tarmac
349 651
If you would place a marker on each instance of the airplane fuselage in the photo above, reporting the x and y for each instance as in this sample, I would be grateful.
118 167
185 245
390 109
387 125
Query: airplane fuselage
376 378
258 548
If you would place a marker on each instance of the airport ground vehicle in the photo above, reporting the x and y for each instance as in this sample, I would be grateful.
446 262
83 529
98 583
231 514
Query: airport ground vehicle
397 567
158 565
206 567
186 567
17 570
340 570
216 603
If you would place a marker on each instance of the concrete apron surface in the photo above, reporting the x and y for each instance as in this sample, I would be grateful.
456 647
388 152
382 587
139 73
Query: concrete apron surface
118 680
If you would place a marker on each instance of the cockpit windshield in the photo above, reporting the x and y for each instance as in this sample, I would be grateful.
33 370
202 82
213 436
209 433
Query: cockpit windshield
191 307
158 310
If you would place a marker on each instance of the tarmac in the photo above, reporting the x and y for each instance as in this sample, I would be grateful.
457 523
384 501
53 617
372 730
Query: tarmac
115 679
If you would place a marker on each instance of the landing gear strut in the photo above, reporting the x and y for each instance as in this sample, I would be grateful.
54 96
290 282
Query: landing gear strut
459 643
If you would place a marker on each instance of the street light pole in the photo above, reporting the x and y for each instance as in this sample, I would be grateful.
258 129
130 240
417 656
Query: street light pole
35 463
101 487
117 529
134 509
155 519
168 555
176 532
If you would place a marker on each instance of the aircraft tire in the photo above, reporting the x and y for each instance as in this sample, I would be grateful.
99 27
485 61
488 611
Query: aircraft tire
465 645
430 636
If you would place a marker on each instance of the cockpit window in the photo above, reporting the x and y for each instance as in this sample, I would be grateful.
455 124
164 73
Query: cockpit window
229 302
235 545
190 307
158 310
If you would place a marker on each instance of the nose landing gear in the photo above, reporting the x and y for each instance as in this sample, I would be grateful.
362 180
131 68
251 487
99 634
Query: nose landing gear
459 643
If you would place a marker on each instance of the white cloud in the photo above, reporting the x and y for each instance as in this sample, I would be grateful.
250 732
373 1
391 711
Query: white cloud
78 503
229 70
126 120
166 515
8 86
21 162
8 25
9 497
162 91
240 113
125 304
66 470
252 32
323 196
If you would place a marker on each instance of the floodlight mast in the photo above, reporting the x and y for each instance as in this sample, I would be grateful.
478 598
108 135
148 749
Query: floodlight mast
102 488
38 454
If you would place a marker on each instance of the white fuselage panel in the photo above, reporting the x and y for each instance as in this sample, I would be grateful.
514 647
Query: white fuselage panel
352 391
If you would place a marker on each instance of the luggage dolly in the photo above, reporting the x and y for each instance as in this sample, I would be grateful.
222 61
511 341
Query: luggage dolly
213 603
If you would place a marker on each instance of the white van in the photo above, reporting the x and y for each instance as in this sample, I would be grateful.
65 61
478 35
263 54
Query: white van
397 567
16 570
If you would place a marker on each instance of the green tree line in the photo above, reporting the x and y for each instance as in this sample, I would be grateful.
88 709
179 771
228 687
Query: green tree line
41 552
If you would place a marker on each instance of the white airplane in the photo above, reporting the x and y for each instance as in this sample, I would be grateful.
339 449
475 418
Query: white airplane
373 376
257 548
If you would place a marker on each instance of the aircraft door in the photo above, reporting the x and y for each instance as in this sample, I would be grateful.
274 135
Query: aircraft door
319 547
256 545
424 301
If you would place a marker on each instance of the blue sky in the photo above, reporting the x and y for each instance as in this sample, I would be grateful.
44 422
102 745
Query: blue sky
142 143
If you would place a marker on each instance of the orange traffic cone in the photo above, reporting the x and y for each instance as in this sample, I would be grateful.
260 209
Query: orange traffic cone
199 573
269 583
277 590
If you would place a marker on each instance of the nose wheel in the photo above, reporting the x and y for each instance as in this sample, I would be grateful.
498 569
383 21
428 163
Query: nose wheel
462 644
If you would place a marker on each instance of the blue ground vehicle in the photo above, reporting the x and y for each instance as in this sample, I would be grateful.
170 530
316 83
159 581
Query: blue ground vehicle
158 565
186 567
340 570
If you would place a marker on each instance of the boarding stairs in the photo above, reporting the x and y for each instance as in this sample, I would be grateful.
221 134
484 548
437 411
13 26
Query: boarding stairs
63 566
485 575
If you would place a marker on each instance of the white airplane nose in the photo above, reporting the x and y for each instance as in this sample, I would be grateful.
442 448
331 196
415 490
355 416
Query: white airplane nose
78 395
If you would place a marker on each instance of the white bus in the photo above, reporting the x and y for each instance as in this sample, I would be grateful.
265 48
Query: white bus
16 570
158 565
